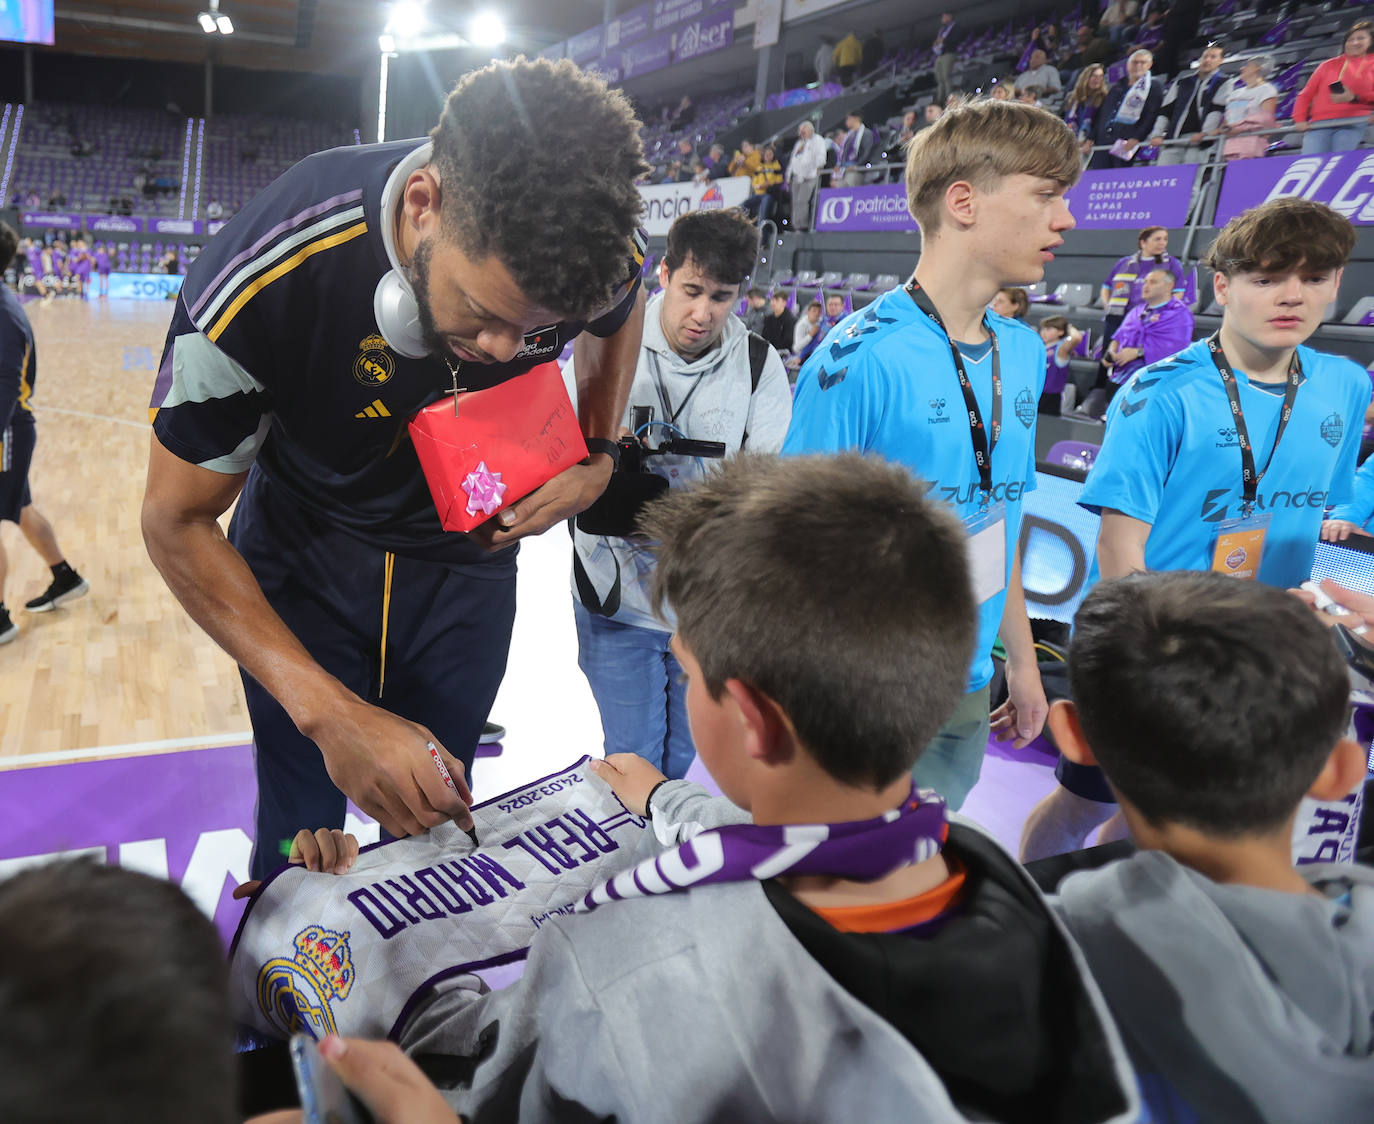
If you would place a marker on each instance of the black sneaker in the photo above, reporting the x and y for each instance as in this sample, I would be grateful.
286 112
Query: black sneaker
491 733
63 589
8 629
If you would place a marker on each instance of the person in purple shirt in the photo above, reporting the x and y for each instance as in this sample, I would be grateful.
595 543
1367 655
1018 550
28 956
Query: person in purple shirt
1060 338
80 265
1159 327
102 267
834 313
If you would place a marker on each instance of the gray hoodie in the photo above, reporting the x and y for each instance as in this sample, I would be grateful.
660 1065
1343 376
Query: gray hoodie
1237 1003
711 395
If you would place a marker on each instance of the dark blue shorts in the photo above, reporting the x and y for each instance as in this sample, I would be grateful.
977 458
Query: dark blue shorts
1087 781
447 633
16 453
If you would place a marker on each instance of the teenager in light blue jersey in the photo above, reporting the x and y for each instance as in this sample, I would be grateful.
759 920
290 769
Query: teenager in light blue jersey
986 185
1171 479
1353 516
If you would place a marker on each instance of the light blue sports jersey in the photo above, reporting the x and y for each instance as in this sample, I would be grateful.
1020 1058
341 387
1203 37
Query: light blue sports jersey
1360 509
885 384
1171 458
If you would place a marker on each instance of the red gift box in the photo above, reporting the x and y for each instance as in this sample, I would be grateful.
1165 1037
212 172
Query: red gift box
500 445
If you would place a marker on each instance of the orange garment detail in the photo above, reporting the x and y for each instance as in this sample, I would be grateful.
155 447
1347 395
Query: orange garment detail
892 917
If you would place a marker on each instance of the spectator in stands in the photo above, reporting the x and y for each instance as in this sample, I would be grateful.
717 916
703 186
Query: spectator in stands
115 1000
1003 89
1119 20
1191 110
745 161
683 116
874 49
856 151
1241 984
824 61
910 126
214 210
849 53
1040 77
1172 466
1123 289
715 164
834 145
834 313
805 331
1085 103
1128 113
1060 338
1011 302
943 48
672 172
803 174
779 326
756 310
1028 97
1091 49
685 152
1161 325
1251 102
1339 89
1150 34
695 172
765 186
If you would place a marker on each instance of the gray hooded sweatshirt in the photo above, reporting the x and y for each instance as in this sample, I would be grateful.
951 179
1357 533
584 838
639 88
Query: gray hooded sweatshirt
1237 1004
709 399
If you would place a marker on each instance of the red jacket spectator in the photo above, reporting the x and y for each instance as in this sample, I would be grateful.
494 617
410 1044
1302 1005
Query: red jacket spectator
1355 72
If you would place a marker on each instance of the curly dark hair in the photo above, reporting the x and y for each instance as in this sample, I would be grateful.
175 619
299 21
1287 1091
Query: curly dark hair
537 165
724 244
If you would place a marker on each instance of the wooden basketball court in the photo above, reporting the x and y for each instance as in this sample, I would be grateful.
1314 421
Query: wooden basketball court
124 665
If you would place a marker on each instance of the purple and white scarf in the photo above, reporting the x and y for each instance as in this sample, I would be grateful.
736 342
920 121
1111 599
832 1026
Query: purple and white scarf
862 851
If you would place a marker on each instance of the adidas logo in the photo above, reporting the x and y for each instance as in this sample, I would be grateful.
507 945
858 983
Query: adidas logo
376 410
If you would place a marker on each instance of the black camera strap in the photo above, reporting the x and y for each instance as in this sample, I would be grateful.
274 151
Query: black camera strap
983 448
669 414
1250 478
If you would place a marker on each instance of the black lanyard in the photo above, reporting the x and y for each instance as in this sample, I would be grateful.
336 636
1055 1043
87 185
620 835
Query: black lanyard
982 447
1250 479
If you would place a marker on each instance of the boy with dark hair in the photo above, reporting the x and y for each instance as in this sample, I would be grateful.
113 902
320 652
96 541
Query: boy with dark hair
1060 338
18 436
1244 988
986 183
1225 456
115 1001
702 376
826 902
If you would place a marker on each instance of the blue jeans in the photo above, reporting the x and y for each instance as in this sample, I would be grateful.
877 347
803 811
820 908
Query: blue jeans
636 682
952 761
1342 139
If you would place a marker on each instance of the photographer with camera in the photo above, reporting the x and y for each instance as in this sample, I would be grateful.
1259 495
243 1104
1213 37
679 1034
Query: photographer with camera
704 388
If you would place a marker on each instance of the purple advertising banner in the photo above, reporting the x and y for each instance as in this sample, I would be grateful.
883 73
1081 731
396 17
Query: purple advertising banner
176 226
880 206
609 67
670 13
186 816
555 52
114 224
585 47
1133 197
652 54
1342 180
803 94
630 27
49 218
713 32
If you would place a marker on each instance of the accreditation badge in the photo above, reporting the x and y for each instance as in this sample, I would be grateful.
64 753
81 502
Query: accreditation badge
987 551
1240 544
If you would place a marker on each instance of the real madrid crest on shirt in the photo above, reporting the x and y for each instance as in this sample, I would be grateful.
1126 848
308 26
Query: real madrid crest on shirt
374 365
1333 427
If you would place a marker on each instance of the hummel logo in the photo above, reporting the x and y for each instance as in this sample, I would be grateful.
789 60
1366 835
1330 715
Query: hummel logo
376 410
827 380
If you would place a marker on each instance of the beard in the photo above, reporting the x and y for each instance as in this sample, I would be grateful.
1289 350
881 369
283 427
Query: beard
419 284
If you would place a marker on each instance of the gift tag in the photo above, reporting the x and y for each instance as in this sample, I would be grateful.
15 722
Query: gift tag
987 551
1239 545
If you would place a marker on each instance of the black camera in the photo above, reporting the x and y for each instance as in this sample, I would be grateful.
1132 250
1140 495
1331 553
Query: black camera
633 484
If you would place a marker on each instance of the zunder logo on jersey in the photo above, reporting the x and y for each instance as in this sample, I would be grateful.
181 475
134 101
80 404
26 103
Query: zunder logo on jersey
374 365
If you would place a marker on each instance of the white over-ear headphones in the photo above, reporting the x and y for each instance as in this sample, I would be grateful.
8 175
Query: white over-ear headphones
393 303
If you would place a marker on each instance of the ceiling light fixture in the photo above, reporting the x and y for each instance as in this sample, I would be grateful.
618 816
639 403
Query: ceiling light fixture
207 23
